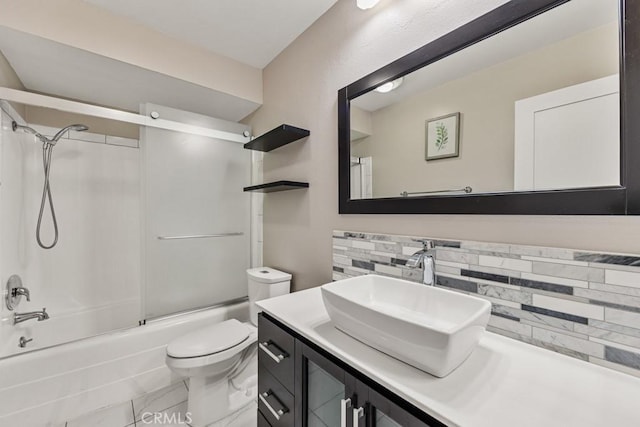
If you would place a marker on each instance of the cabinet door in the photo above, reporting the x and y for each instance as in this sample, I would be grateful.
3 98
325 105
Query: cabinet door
385 413
262 421
325 394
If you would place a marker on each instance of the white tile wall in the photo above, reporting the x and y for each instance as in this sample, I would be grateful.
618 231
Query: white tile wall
506 263
582 304
87 136
572 307
622 278
123 142
620 317
556 280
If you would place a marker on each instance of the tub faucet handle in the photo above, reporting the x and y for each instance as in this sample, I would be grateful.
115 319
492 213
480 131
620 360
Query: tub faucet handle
15 292
22 291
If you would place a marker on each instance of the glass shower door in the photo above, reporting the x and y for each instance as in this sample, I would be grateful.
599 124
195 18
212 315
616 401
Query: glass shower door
197 217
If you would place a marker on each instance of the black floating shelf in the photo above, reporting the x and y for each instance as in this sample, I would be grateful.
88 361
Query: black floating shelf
277 186
282 135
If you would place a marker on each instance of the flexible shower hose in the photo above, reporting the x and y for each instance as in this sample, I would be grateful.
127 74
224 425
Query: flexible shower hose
47 150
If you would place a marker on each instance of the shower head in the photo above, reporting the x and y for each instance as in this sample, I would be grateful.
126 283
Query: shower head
76 127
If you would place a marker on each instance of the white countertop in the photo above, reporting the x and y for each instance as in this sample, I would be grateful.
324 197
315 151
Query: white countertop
503 383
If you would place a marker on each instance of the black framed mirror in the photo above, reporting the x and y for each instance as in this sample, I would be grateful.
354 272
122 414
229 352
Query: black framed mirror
555 158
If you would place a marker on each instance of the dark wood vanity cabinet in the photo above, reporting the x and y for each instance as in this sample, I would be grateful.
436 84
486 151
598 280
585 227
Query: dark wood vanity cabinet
276 381
300 384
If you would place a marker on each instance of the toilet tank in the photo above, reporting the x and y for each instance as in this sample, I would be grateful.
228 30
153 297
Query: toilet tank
265 282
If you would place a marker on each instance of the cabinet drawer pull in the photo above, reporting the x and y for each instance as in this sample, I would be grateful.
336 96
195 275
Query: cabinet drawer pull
344 404
264 346
357 414
277 414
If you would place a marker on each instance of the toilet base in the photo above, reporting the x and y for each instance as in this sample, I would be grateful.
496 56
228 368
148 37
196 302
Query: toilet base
209 403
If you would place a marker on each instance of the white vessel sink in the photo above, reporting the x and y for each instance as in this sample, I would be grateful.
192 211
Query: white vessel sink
430 328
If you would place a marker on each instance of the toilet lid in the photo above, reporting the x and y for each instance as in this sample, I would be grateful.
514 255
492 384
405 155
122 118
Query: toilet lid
209 340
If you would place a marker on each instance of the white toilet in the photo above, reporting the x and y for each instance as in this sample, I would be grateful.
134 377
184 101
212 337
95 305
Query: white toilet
211 356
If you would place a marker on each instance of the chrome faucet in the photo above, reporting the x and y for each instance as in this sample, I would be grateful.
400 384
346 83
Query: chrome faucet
425 259
40 315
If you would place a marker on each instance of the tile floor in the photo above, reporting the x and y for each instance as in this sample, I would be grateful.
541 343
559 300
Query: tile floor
165 407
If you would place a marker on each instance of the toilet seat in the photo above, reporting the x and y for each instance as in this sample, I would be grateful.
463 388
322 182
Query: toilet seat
209 340
200 348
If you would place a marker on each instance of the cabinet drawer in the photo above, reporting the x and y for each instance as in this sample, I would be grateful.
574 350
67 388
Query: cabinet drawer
276 351
274 401
262 421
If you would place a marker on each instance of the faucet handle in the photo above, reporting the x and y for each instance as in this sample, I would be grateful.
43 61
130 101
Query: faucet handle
15 291
427 244
22 291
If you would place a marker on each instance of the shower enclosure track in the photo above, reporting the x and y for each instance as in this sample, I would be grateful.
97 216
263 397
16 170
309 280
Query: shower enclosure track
28 98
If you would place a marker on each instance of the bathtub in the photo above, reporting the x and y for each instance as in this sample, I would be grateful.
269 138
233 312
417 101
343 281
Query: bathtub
66 323
49 386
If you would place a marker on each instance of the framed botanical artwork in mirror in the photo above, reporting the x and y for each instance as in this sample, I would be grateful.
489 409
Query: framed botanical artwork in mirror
442 137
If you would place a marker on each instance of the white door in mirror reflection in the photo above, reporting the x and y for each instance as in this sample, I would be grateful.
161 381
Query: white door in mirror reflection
569 138
361 177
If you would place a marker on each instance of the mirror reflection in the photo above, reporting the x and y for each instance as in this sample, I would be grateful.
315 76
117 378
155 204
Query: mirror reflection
535 107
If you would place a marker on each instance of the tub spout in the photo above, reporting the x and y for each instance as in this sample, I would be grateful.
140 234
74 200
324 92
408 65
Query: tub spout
39 315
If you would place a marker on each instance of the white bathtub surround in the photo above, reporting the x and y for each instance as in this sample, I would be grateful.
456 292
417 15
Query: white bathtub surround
503 383
582 304
89 282
58 384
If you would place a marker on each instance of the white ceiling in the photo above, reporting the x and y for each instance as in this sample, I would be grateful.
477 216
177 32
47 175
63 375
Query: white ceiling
60 70
253 32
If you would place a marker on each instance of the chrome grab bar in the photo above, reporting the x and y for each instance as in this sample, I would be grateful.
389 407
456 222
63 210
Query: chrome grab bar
466 189
344 405
277 414
200 236
264 346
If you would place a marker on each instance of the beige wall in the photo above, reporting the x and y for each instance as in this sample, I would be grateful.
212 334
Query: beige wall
486 101
300 87
88 27
9 78
361 128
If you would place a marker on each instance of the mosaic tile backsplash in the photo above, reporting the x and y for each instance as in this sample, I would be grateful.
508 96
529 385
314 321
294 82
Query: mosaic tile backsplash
582 304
